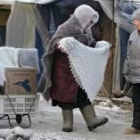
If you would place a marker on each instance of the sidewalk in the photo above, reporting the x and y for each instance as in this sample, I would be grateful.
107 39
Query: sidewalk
48 124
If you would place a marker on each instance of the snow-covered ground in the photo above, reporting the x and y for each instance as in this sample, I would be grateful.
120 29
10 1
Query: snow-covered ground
47 124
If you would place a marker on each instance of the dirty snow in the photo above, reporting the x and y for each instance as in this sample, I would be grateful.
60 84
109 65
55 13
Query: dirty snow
46 125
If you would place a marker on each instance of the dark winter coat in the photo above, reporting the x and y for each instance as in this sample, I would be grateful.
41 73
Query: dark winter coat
71 28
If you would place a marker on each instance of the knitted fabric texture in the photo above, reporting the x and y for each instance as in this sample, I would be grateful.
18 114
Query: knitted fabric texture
28 58
87 64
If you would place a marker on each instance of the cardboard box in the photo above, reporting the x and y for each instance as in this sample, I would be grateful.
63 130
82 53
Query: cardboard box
20 81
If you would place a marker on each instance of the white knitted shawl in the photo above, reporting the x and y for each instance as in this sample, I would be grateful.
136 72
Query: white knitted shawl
87 64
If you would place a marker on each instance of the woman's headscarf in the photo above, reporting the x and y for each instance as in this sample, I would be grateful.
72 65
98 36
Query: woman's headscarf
85 15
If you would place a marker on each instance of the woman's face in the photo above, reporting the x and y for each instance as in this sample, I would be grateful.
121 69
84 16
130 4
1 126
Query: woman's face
89 25
88 28
137 24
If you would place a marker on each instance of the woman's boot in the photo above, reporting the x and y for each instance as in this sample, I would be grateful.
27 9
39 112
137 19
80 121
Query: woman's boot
91 119
67 120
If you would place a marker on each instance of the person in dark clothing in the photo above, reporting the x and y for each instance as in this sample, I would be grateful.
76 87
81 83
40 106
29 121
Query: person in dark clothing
60 84
132 72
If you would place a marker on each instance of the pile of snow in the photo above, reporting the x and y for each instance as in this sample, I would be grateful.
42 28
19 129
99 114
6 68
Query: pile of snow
108 105
109 108
17 133
56 136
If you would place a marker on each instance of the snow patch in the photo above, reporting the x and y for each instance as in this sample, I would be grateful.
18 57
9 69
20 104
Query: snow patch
15 133
55 136
109 106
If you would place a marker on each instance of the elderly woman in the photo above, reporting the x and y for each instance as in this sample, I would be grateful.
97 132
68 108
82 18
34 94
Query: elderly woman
132 72
60 83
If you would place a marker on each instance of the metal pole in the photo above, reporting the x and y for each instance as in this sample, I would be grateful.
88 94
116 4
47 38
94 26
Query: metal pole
112 50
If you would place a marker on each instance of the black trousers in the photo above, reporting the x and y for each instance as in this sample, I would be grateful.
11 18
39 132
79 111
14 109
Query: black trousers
82 101
136 102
